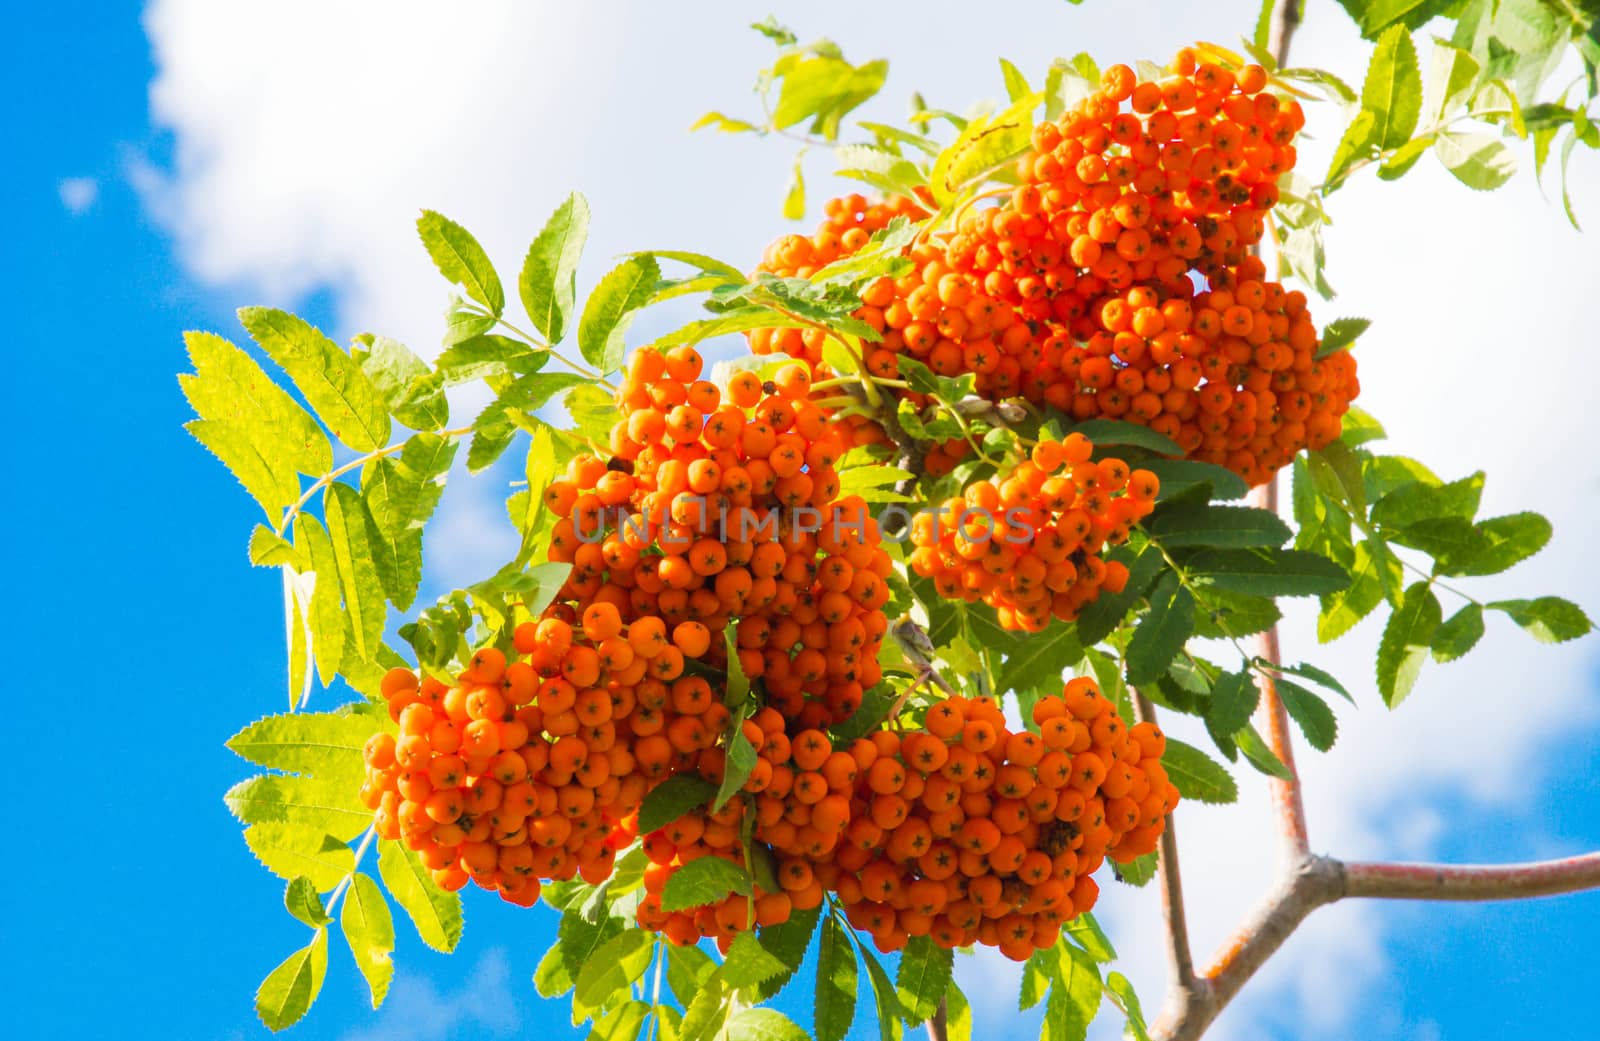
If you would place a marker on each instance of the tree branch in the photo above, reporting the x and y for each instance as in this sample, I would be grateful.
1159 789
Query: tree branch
1286 796
1180 962
1285 21
1473 881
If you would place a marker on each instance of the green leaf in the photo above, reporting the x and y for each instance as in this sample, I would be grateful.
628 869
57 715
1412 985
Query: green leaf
369 930
578 939
985 144
1162 632
1373 16
228 387
1354 146
958 1015
348 528
787 941
763 1024
1179 475
327 612
1479 161
1312 673
269 483
484 357
288 991
1233 701
1222 614
1116 432
1406 642
614 967
1263 28
1458 634
1451 73
794 196
460 259
1196 775
551 978
1548 619
1278 572
1038 972
883 995
1423 500
1032 662
703 881
410 392
736 771
463 321
1259 755
290 851
1392 91
1104 613
250 423
323 804
301 900
704 1015
1340 333
1315 718
1196 524
401 495
325 744
923 978
749 963
609 310
331 380
548 283
1118 986
726 124
621 1023
1016 83
1137 872
269 549
836 983
1075 997
1085 929
688 968
824 89
435 912
1498 544
673 798
1368 576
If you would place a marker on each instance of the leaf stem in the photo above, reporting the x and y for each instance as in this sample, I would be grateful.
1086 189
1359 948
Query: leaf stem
334 474
541 344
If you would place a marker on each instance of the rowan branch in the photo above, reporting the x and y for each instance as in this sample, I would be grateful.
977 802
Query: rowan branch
1317 881
1281 33
1473 881
1180 960
1286 795
937 1030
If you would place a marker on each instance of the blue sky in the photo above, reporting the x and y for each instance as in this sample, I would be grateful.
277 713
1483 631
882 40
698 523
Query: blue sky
125 541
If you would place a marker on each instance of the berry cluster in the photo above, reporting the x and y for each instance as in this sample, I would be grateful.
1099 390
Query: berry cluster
969 832
1078 289
712 511
1029 544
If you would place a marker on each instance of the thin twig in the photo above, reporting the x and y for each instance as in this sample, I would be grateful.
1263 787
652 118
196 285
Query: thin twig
1180 961
937 1029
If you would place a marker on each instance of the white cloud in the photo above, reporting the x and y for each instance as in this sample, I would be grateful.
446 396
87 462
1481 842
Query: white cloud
417 1011
303 156
78 194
